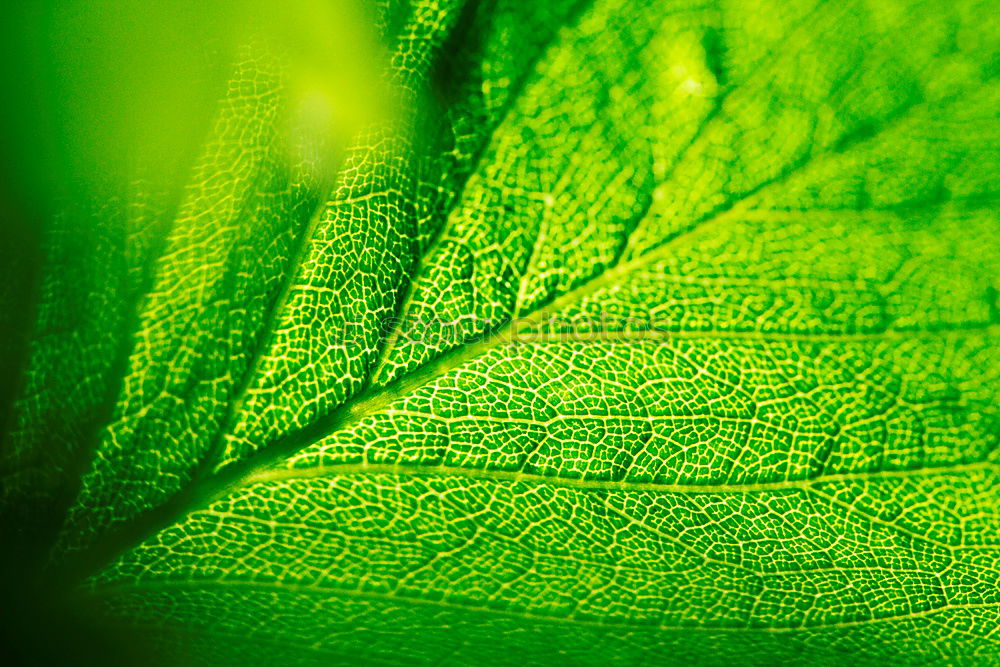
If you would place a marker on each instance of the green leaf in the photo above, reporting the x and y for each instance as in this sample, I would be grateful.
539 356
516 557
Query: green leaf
635 333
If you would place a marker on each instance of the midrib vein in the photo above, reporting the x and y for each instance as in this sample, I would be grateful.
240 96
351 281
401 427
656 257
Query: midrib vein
417 470
661 335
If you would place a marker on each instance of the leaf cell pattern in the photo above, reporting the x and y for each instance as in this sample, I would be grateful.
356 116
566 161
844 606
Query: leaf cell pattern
690 355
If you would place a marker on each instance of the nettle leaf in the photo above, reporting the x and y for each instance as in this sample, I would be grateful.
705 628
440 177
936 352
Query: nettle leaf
647 333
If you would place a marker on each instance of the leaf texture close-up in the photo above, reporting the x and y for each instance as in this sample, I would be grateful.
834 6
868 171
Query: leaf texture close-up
563 332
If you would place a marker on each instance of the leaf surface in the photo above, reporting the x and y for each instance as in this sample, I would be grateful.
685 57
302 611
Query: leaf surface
655 333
